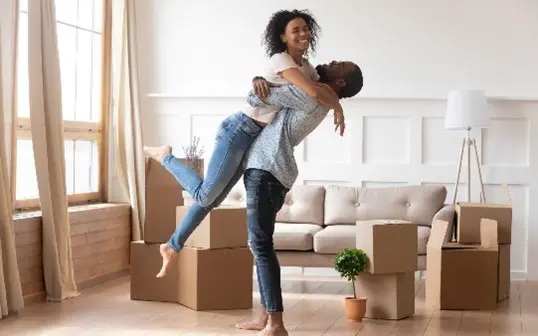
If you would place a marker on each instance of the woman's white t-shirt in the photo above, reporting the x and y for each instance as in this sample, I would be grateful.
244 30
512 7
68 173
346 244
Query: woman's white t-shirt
278 63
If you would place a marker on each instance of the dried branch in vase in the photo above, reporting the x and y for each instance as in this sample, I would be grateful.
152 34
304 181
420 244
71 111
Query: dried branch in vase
194 155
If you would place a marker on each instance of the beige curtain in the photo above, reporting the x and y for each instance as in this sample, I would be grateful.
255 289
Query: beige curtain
127 128
11 300
47 138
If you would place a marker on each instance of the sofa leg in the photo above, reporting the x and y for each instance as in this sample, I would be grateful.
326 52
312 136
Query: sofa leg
302 271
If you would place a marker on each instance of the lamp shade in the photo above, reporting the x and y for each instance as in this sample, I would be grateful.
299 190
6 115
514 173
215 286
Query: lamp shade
467 109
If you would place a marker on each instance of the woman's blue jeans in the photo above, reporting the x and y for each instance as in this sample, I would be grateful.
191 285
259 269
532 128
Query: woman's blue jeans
234 137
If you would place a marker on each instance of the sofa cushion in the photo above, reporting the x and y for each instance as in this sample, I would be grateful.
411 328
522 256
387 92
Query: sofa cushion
303 204
417 204
294 237
334 238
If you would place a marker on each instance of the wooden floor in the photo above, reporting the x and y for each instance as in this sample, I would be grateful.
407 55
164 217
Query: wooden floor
314 306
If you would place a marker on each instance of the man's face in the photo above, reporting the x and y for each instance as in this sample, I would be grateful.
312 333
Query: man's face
335 71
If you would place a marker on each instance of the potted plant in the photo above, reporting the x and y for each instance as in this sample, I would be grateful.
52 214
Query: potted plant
350 262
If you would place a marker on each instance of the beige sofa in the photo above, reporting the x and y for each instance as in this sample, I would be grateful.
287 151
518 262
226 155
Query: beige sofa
316 222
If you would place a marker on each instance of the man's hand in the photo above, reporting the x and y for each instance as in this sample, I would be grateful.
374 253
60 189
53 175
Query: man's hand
260 87
339 121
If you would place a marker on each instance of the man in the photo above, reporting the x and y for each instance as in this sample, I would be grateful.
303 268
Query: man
271 171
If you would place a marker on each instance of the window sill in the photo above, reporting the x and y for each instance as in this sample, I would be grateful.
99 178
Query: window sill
75 209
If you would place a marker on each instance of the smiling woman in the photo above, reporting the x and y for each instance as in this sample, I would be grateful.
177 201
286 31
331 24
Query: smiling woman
82 31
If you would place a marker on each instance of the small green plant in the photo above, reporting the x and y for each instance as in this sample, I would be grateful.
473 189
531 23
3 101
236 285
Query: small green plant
193 155
349 263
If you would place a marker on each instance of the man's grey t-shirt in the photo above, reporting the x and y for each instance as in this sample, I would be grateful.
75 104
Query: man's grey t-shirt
273 150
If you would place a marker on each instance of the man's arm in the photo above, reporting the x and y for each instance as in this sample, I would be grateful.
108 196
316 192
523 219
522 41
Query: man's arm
289 96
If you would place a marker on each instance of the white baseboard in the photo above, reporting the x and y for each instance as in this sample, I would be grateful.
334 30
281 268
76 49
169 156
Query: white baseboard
518 275
310 271
320 271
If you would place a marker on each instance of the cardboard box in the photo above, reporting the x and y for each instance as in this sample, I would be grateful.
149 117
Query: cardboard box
462 276
146 262
470 214
391 245
390 296
215 279
504 273
163 195
223 227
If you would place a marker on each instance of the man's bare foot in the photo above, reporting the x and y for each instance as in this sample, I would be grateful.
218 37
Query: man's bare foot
256 324
167 254
273 331
157 153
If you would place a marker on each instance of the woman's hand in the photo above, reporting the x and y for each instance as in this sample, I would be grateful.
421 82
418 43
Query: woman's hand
261 88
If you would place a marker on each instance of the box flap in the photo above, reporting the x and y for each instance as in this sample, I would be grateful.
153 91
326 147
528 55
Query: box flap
463 205
439 234
489 234
459 246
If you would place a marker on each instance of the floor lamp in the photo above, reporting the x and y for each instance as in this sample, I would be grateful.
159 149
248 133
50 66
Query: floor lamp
467 109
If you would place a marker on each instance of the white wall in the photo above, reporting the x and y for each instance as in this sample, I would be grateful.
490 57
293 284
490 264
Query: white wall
197 59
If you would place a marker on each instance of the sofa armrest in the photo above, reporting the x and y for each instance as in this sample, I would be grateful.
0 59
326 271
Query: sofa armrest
447 214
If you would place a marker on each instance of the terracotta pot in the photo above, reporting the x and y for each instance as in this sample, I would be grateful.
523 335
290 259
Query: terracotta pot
355 308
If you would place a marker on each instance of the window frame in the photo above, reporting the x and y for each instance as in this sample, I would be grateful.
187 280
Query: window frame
77 130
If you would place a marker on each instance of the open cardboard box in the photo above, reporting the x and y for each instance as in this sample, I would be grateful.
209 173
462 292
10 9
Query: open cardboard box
469 215
463 276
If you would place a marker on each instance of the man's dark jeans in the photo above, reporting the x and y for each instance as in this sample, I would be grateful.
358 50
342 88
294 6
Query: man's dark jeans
265 197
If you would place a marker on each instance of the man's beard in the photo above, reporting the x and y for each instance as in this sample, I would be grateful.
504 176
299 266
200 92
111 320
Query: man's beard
323 77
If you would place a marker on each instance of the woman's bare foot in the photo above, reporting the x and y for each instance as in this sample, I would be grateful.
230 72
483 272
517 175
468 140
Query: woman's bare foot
167 254
273 331
157 153
255 324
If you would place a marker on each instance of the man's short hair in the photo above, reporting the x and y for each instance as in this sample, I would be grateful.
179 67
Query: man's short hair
354 82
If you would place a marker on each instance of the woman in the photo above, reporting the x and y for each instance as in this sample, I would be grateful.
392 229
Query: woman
288 37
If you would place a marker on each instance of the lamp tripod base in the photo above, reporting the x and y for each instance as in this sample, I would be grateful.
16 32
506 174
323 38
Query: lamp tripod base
469 142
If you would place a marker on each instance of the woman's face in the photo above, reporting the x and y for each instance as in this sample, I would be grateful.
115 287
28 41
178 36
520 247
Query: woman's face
296 35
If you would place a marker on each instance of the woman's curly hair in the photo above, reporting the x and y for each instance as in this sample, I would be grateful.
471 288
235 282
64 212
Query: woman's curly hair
277 26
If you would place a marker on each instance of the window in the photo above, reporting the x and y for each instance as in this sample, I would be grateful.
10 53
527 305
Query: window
82 32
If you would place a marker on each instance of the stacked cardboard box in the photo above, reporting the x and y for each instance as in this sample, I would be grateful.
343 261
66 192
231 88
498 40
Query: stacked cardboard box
163 195
214 268
474 272
389 281
146 262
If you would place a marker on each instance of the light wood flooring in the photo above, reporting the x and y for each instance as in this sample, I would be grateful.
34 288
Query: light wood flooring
314 306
